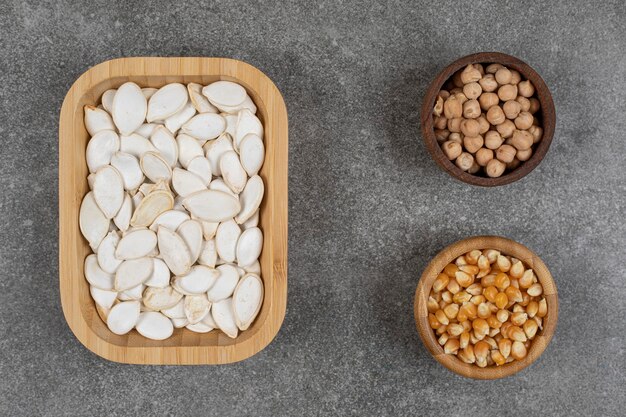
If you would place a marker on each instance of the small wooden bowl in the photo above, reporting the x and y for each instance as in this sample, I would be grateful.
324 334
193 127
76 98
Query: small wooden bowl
184 347
547 112
507 247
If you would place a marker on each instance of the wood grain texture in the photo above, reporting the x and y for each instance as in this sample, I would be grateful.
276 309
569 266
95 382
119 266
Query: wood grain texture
507 247
184 347
547 112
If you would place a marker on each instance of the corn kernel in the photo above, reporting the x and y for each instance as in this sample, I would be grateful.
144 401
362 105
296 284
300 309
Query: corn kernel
440 282
530 328
503 263
483 263
532 309
464 340
493 322
450 270
517 334
468 352
491 342
535 290
519 318
526 280
441 330
488 280
451 346
475 289
517 270
460 261
455 329
502 315
514 294
518 350
441 316
504 345
483 311
461 297
480 326
433 322
543 308
443 339
469 269
497 357
472 256
453 286
481 350
464 279
501 300
477 299
492 255
451 311
446 296
502 281
490 293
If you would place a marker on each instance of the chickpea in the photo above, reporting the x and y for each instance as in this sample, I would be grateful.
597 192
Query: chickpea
524 120
537 133
438 109
442 135
470 127
472 90
495 115
515 77
506 128
495 168
503 76
470 74
534 105
471 109
483 156
454 125
473 143
526 89
488 100
488 83
511 109
474 168
456 90
522 140
480 69
456 80
444 94
452 107
456 137
513 164
506 153
462 97
465 161
493 68
493 140
484 124
440 122
524 103
452 150
524 155
507 92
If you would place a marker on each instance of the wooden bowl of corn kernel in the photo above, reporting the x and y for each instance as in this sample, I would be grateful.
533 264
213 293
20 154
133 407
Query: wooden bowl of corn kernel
506 323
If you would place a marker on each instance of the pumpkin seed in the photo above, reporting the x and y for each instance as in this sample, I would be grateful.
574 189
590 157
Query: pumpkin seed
95 275
219 185
166 102
252 153
247 124
136 244
203 326
249 246
123 317
174 251
191 232
163 140
214 151
136 145
132 293
180 323
200 102
151 206
160 277
129 108
154 167
101 148
205 126
232 172
211 205
132 273
97 120
106 253
161 298
107 99
224 317
146 129
250 198
198 280
177 311
208 229
196 307
247 300
231 123
128 167
202 168
103 298
254 268
122 218
188 149
208 253
225 284
253 221
148 92
175 122
226 239
186 183
154 325
226 93
93 224
170 219
108 190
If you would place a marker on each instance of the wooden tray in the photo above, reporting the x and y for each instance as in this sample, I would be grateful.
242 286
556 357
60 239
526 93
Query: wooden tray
184 347
507 247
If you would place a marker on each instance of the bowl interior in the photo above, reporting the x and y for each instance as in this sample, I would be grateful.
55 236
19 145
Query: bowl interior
78 248
507 247
546 114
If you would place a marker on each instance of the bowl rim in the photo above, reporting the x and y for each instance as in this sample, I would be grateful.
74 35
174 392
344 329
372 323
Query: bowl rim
547 112
508 247
221 349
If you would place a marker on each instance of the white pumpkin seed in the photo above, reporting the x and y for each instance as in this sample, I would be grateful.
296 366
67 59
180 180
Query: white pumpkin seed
123 317
167 101
198 280
205 126
146 129
180 323
202 168
247 104
225 93
106 253
188 149
175 122
254 268
251 198
191 232
214 151
219 185
136 145
90 180
226 239
249 246
136 244
247 300
160 277
154 167
101 148
103 298
208 229
132 273
161 298
231 123
208 253
108 190
233 173
178 203
200 102
154 325
186 183
148 92
247 123
211 205
122 218
94 225
170 219
128 167
253 221
129 108
97 120
177 311
224 317
196 307
174 251
107 99
203 326
163 140
132 293
252 153
151 206
95 275
225 284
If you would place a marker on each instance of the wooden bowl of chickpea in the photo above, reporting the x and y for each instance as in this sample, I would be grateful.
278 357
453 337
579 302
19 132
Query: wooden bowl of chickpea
488 119
486 307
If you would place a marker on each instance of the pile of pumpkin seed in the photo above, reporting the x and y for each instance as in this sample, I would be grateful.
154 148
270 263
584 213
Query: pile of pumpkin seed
172 215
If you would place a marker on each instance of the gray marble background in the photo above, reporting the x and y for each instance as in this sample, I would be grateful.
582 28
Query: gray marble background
367 206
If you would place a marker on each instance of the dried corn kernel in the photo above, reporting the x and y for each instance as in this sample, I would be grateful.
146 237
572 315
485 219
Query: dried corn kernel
464 279
443 339
455 329
518 350
532 309
530 328
502 315
497 357
492 255
535 290
516 333
488 280
501 300
453 286
514 294
451 346
517 269
450 270
446 296
543 308
461 297
433 322
490 293
477 299
464 340
451 311
480 326
432 305
483 263
519 318
502 281
475 289
526 280
440 282
472 257
504 264
493 322
483 310
469 269
504 345
460 261
441 316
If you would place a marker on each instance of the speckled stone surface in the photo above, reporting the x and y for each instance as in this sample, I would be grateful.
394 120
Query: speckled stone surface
367 206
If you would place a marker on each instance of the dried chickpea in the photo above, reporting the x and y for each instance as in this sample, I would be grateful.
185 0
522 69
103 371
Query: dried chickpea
465 161
507 92
453 107
480 69
451 149
455 137
472 90
495 168
444 94
440 122
515 77
493 68
456 80
473 143
537 133
505 153
483 123
471 109
513 164
483 156
524 155
524 103
470 74
526 89
511 109
454 125
522 140
474 168
524 120
495 115
470 127
534 105
438 109
503 76
488 83
506 128
488 100
493 140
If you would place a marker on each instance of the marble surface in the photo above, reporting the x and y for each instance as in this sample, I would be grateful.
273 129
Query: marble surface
367 206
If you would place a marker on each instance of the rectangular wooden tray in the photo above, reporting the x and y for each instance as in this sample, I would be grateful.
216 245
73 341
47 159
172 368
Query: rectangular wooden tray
184 347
